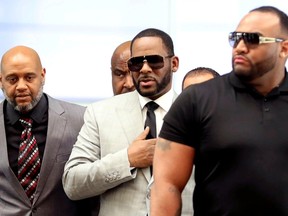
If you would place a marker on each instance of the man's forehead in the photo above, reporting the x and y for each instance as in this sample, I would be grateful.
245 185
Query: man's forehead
258 22
148 46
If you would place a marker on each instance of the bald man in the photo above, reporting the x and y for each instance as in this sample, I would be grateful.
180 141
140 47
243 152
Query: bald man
30 181
121 77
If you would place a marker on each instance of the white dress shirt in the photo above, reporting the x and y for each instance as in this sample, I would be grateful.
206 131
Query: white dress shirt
164 102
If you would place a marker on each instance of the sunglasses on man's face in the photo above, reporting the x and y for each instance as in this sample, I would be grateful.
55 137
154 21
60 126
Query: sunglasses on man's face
250 38
155 62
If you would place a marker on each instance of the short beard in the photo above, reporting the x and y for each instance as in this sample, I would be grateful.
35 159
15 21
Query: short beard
257 70
30 106
167 79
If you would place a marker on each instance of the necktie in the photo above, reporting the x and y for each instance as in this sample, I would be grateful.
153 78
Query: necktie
151 122
28 159
151 119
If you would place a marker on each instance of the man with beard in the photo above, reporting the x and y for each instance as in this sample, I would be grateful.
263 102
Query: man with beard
121 76
114 153
233 128
30 181
194 76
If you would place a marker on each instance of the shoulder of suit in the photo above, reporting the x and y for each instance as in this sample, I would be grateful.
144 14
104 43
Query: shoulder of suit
117 100
58 104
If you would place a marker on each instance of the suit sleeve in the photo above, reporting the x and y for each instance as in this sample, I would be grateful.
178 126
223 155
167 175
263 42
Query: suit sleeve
92 170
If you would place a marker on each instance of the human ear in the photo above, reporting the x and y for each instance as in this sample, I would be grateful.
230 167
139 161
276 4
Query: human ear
175 63
284 49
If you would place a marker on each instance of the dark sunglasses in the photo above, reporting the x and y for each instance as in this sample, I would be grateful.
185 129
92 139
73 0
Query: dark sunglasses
250 38
155 62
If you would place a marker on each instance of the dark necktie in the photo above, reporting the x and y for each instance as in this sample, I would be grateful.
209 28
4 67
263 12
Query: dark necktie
151 119
151 122
28 159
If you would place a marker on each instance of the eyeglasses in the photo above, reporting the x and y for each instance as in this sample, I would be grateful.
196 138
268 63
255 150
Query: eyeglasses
155 62
250 38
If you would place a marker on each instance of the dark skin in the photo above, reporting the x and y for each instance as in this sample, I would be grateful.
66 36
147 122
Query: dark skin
22 77
147 81
153 83
261 67
121 77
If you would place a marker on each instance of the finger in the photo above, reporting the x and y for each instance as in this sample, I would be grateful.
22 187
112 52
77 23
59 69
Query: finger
143 135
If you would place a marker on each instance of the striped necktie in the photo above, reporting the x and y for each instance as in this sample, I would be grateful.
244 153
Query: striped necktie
28 159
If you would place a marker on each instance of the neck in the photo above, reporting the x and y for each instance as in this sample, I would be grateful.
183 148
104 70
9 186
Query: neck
267 83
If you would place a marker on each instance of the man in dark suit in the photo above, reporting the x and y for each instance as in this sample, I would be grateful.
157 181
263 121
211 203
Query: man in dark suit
55 126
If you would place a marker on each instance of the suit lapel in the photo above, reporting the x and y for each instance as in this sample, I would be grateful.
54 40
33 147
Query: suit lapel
53 142
132 124
4 161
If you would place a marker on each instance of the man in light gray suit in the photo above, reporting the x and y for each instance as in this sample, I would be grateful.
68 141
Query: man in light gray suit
112 156
55 127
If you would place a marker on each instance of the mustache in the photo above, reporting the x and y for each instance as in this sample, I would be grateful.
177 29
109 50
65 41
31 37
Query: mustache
146 78
22 94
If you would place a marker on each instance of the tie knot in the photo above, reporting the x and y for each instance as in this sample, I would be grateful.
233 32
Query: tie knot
26 122
151 106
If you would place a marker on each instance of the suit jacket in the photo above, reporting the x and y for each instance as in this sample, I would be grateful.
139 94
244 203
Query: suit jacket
99 163
64 123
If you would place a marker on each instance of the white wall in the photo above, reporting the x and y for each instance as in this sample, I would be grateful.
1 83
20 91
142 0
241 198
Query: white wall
75 39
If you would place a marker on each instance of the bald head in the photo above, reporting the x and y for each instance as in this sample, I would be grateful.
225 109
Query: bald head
121 78
20 53
22 77
121 52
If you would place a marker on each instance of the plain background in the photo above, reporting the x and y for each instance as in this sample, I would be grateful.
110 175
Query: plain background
75 39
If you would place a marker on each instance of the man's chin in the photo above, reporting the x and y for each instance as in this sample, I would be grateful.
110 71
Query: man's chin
241 71
147 92
243 75
23 108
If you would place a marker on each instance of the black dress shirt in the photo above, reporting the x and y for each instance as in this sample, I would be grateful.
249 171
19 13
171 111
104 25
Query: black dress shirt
13 129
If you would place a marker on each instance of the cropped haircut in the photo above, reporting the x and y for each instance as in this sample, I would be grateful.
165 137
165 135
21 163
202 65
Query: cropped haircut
152 32
280 14
200 71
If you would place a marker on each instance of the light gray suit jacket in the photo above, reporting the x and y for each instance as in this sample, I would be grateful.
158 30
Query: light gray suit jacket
99 163
64 123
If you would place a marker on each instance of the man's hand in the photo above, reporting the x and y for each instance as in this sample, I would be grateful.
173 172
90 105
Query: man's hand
141 151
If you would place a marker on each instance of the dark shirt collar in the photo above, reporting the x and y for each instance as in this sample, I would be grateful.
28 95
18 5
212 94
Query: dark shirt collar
37 113
281 89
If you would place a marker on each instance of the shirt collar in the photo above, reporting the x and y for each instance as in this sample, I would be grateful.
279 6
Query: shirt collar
164 101
37 113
